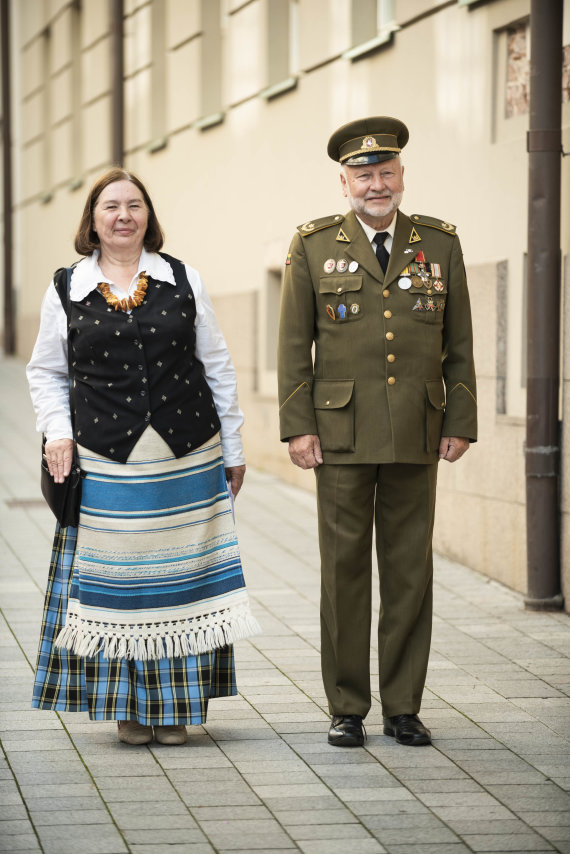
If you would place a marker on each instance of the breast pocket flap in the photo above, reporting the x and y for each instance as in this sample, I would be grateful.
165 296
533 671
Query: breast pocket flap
332 394
339 284
435 393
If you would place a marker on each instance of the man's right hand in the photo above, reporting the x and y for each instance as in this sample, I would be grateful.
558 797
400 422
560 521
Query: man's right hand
305 451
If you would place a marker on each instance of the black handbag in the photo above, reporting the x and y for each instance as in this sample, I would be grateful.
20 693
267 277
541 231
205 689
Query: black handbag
64 498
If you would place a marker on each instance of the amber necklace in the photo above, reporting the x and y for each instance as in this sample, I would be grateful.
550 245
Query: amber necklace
129 302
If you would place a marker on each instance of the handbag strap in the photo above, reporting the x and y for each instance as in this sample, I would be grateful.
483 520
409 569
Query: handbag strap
62 283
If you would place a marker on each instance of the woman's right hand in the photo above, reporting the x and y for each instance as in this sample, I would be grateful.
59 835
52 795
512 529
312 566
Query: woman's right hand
59 455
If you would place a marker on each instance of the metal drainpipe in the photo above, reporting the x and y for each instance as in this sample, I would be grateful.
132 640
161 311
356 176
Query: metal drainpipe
117 92
543 327
9 315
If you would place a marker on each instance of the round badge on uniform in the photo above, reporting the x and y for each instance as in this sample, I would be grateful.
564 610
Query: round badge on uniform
353 267
354 308
329 265
405 283
341 265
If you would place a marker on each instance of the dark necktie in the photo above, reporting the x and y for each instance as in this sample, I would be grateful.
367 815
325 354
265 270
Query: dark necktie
381 252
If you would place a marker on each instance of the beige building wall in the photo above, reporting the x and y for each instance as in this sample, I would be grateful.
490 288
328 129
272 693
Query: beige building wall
228 109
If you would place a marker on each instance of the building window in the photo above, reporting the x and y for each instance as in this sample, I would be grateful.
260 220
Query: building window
46 115
76 137
518 70
280 47
372 24
211 64
158 77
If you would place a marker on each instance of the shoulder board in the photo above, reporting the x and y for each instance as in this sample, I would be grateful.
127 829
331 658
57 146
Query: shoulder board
318 224
418 219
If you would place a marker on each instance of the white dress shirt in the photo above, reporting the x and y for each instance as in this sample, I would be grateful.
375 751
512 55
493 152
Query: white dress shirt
371 234
47 370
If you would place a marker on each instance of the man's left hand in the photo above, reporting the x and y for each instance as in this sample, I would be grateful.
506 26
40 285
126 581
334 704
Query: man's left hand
235 475
451 449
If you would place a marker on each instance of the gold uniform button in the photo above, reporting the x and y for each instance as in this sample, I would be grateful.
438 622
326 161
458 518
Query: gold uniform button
429 292
388 314
339 290
391 380
390 357
327 402
389 336
386 294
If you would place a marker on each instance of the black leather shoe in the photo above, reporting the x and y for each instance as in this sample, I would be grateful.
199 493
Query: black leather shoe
407 729
347 731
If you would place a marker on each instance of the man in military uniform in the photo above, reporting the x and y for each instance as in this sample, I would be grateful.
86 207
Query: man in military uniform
389 392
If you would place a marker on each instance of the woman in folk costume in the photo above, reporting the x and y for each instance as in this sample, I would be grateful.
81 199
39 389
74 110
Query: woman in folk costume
146 596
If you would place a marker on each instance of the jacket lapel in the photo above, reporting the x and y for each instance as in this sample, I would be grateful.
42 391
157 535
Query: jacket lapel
400 255
358 247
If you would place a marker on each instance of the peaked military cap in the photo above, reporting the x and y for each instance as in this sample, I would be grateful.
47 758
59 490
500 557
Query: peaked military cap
370 140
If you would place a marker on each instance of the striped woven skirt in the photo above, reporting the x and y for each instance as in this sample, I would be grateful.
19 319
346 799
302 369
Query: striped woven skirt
153 689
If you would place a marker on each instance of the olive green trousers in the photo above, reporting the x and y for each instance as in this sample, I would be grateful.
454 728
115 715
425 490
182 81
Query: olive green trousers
399 500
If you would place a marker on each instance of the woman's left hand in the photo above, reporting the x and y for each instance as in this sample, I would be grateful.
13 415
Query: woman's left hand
235 474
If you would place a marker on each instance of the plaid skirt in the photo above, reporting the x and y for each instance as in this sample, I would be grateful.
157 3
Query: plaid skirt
155 693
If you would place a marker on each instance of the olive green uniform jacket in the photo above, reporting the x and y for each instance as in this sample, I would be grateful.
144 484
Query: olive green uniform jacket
392 369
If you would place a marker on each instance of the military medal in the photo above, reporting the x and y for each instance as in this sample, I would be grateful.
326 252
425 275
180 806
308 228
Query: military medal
330 312
342 311
419 306
405 283
430 305
329 265
341 265
420 256
438 286
353 267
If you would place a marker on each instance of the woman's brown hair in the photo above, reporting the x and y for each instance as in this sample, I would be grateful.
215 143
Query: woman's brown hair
86 240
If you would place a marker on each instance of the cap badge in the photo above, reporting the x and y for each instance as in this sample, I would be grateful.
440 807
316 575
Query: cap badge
368 142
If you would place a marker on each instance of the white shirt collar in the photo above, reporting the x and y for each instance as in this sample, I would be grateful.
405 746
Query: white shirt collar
87 274
371 232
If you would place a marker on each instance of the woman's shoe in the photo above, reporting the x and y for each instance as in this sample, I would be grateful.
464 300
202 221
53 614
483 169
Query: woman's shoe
131 732
175 734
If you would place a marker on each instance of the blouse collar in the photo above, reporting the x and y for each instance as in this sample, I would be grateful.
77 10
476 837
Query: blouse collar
87 274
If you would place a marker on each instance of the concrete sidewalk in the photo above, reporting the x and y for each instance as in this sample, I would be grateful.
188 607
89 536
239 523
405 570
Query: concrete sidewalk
260 776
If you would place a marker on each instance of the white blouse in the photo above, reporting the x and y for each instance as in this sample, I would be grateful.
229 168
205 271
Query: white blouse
47 370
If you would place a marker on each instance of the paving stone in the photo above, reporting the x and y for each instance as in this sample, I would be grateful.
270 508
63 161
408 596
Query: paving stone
57 840
329 846
516 842
194 848
246 835
437 848
152 835
348 831
23 843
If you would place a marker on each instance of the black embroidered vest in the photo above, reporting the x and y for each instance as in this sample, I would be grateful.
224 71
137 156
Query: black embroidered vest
132 370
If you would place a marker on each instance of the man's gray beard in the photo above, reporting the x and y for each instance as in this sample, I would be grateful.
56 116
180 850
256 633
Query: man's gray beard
396 201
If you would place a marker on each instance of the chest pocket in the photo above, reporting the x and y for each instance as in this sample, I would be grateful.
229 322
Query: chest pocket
342 302
339 284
